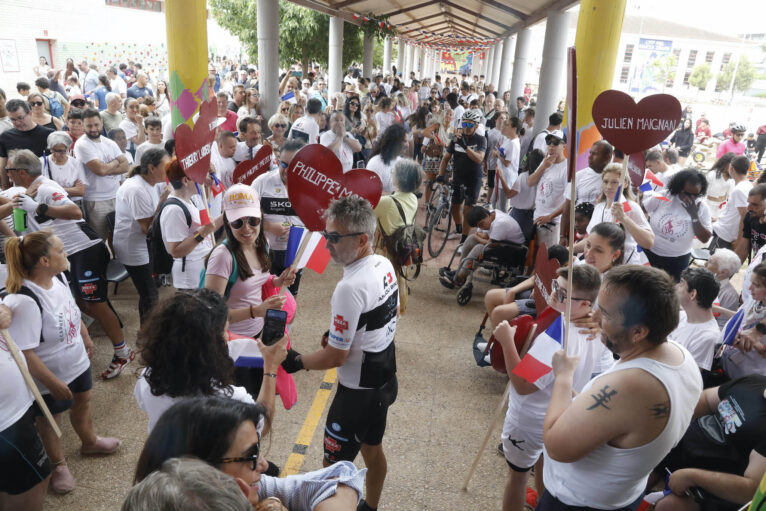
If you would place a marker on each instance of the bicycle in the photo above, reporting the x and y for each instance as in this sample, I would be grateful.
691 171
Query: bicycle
440 220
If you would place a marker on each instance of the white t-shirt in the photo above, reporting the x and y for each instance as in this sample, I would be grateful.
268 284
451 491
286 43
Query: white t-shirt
136 199
539 141
525 198
174 229
15 396
144 146
224 167
275 205
384 120
511 149
242 152
550 190
67 174
665 177
505 228
589 186
118 85
457 120
727 226
63 351
344 152
603 214
384 172
131 130
86 150
305 128
672 225
699 338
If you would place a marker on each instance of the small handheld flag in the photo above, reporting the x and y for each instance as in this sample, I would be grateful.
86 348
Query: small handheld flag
730 330
315 256
290 95
537 362
654 179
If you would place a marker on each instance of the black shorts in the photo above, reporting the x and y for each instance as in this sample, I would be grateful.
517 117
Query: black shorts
23 461
87 273
356 417
472 183
82 383
548 502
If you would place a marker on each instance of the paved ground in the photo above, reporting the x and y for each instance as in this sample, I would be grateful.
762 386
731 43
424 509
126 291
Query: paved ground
435 427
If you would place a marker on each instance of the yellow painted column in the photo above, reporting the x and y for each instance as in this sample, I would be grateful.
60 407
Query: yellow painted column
186 24
597 40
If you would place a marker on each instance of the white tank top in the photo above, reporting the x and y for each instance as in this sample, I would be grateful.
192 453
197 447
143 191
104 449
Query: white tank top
610 477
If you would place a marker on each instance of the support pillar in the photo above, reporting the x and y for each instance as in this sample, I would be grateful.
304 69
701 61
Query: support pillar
400 57
506 65
521 63
335 57
498 61
387 55
552 86
408 63
416 58
490 64
369 45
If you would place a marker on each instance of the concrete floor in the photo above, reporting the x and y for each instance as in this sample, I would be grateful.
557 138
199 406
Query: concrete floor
435 427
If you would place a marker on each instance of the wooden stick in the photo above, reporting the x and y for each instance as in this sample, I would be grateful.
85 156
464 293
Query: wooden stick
568 313
497 414
29 381
298 255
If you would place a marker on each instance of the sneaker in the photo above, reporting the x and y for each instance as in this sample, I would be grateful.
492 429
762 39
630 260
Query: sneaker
444 270
485 271
103 445
61 479
117 365
500 451
531 499
460 250
454 236
447 280
488 359
481 346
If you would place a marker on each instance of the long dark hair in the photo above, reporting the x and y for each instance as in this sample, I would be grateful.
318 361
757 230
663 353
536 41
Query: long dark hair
722 163
418 119
679 180
200 427
183 346
391 143
244 271
356 117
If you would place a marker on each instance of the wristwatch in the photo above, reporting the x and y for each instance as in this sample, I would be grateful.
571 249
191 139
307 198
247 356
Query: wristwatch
198 237
760 328
42 209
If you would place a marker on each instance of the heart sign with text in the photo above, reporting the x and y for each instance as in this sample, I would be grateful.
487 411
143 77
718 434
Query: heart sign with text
545 272
636 169
632 127
248 170
315 177
193 146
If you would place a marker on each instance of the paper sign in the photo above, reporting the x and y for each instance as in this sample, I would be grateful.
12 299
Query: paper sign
545 272
315 177
636 168
632 127
193 146
248 170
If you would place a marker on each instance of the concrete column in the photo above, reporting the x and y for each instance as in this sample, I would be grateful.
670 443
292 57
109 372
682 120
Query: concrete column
553 71
400 57
335 57
387 55
506 65
417 60
409 61
683 58
521 62
496 65
369 45
490 64
268 55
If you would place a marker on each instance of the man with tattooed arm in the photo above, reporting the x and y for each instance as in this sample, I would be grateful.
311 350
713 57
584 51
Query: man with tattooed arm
601 445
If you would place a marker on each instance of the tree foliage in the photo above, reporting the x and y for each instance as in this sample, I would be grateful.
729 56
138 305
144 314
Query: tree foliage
745 75
700 76
665 68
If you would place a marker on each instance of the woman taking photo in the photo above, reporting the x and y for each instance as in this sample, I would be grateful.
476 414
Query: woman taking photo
62 168
55 343
676 216
135 206
38 114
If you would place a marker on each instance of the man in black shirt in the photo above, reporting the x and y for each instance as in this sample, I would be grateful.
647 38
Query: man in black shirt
467 150
753 224
25 134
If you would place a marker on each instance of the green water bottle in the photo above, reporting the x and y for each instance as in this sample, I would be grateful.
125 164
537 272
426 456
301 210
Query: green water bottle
19 220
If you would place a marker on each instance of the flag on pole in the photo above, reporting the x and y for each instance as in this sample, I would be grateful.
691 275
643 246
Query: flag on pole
537 362
732 327
654 179
315 256
288 96
217 187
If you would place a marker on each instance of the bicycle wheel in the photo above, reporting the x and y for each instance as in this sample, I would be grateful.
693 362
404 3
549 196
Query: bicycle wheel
436 193
439 230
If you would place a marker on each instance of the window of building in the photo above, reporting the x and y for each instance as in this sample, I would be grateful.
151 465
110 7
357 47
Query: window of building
144 5
692 58
624 74
709 57
686 77
628 53
725 59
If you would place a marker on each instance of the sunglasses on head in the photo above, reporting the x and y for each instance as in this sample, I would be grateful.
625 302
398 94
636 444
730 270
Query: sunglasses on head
335 237
252 458
35 103
240 222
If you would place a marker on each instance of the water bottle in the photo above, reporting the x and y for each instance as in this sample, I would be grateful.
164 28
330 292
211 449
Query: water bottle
19 220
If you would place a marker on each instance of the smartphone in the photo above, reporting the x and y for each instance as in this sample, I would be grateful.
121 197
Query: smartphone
274 326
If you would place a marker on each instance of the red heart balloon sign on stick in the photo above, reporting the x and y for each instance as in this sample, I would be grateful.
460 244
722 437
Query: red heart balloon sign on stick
248 170
631 127
193 146
545 272
315 177
636 169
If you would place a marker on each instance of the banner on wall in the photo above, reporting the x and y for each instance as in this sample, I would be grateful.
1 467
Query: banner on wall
648 57
456 63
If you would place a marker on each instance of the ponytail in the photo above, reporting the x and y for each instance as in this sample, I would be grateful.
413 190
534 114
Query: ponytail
22 255
518 125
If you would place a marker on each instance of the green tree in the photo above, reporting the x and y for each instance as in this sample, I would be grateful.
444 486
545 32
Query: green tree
665 69
743 81
700 76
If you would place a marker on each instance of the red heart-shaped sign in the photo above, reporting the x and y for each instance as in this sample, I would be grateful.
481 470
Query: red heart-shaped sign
545 272
248 170
636 169
315 177
632 127
193 146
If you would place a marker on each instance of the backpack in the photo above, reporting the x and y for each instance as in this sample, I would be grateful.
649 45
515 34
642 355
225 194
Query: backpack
232 277
162 262
56 108
405 244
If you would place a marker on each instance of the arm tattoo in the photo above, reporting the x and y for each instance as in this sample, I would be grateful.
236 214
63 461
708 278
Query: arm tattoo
660 410
602 398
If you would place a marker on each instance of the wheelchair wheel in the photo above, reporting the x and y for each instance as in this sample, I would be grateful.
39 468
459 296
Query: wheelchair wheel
464 294
439 229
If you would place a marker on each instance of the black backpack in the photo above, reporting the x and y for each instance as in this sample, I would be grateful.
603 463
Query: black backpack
405 244
162 262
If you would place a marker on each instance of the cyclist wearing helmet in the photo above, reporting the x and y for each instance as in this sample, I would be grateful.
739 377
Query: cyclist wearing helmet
734 144
468 150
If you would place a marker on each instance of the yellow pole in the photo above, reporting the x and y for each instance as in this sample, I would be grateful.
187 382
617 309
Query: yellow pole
597 40
186 25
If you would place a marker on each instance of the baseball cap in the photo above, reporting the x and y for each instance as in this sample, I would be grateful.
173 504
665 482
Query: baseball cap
240 201
557 134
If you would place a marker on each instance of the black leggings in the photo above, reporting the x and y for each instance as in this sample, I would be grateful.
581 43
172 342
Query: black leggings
673 265
147 290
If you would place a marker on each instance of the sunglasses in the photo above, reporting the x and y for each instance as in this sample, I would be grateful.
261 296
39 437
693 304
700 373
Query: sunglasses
561 293
59 151
554 142
281 125
283 164
352 103
252 459
81 103
286 109
468 125
35 103
691 195
334 237
240 222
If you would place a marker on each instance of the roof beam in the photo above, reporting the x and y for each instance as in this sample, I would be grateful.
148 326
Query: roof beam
480 16
317 6
539 15
473 30
346 3
410 8
496 5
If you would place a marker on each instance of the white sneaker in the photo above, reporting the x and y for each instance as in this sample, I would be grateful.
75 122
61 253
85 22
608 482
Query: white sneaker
460 250
454 236
488 358
481 346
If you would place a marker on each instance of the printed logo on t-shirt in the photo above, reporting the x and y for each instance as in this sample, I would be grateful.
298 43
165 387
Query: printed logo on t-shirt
671 228
57 196
729 416
340 324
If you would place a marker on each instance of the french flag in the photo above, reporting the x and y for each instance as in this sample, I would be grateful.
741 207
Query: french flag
730 331
290 95
537 362
654 179
217 187
245 352
315 256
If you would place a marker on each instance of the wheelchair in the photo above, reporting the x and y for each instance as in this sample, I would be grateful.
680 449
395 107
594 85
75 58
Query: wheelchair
505 261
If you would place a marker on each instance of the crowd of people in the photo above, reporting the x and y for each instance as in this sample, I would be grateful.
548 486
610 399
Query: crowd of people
665 396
